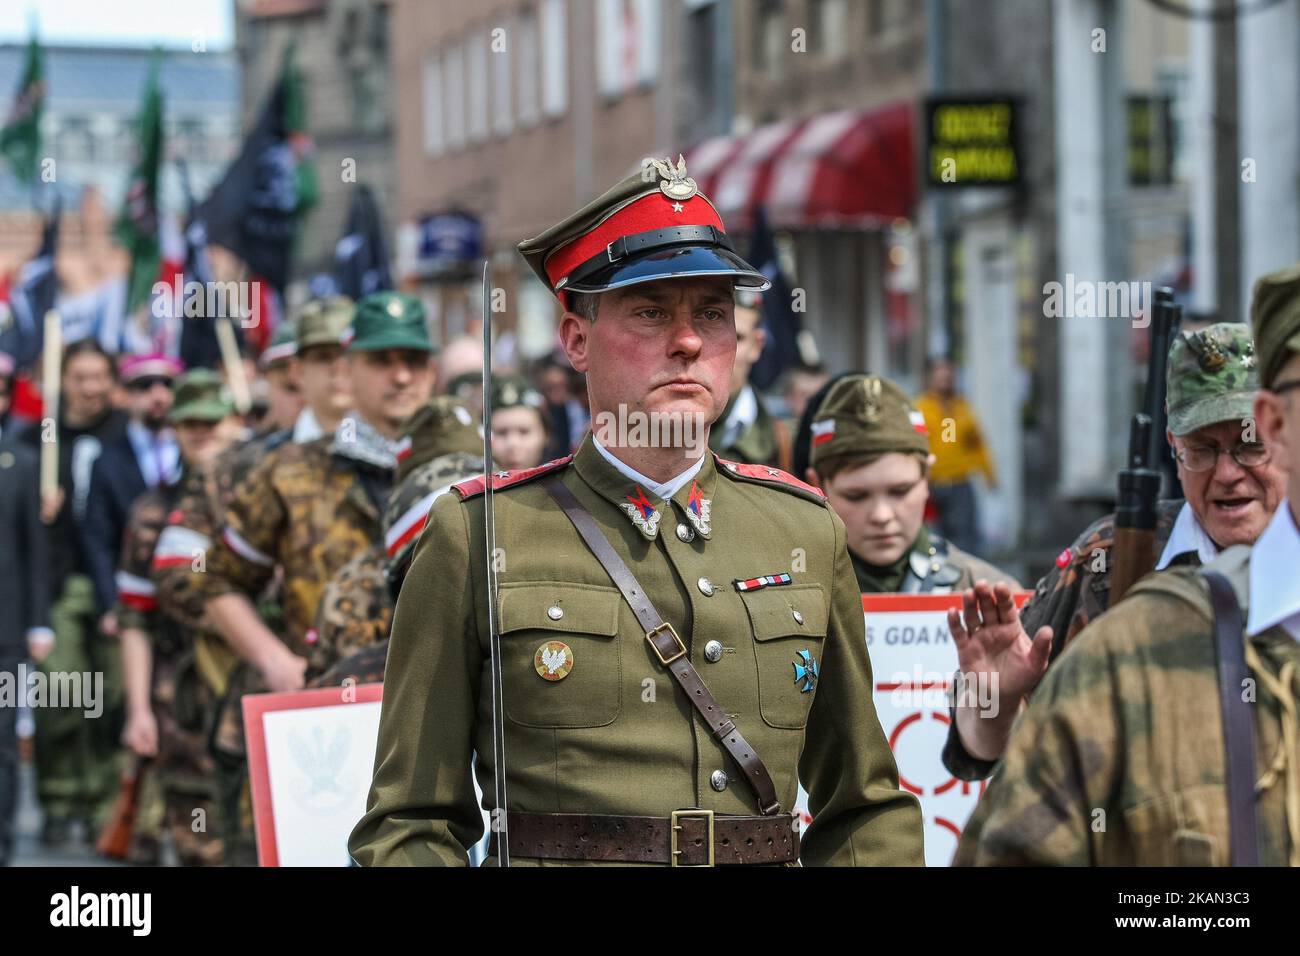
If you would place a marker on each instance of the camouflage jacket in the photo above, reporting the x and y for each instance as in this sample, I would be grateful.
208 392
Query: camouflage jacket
1074 592
181 701
1120 758
306 509
356 611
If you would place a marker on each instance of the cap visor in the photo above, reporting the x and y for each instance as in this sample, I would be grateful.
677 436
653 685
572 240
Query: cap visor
379 343
680 263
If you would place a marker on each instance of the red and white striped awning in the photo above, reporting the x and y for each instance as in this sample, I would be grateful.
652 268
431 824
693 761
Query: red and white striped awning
844 168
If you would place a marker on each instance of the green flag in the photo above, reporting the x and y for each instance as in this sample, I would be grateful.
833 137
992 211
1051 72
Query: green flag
295 125
137 225
20 137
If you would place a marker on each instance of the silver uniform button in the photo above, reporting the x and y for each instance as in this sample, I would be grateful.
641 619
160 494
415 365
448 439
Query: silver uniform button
798 618
705 586
554 612
718 780
685 533
713 652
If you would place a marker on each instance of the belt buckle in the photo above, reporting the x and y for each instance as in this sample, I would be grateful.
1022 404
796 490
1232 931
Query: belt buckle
665 661
676 829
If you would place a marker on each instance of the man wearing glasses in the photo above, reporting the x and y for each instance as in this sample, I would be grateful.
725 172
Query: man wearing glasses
1232 484
1168 734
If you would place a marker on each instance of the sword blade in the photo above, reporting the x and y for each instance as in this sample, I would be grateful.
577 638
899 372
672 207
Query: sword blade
499 815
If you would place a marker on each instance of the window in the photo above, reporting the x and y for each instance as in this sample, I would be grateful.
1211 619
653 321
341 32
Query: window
434 143
500 51
828 22
889 15
528 72
627 44
555 63
769 38
453 91
476 57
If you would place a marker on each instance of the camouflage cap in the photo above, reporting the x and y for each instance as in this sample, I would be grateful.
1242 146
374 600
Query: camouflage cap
1213 377
409 504
201 396
655 224
1275 316
864 416
440 426
283 347
388 320
323 321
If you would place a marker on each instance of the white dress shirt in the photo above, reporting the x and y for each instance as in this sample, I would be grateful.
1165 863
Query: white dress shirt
1275 576
664 490
1187 535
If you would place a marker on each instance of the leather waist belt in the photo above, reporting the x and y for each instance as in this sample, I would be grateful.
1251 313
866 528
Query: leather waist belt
686 838
669 649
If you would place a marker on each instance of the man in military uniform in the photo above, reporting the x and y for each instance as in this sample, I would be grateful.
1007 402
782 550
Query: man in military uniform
746 431
871 456
1232 488
309 508
438 448
1121 757
168 704
607 758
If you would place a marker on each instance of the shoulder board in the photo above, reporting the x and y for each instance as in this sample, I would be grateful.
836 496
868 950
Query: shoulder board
772 477
508 479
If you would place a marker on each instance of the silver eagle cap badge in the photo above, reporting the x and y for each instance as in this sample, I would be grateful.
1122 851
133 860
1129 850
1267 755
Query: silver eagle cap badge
674 182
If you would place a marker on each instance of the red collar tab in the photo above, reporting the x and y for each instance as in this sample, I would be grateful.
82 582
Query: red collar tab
767 474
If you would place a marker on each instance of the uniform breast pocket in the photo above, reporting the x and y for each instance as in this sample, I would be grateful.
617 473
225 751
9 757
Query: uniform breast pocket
560 655
789 627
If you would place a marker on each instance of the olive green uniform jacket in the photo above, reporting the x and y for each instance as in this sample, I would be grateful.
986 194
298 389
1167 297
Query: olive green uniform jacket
616 736
1120 759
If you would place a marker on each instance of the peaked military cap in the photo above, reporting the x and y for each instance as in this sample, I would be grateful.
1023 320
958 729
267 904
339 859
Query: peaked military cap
284 346
511 391
1275 316
1213 377
655 224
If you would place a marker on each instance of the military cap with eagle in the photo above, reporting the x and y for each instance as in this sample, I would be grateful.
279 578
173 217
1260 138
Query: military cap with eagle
655 224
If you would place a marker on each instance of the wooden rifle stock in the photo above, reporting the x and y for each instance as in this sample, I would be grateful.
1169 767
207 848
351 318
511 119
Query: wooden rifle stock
115 839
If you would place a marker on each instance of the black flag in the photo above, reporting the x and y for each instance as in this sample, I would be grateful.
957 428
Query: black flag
254 211
361 258
779 318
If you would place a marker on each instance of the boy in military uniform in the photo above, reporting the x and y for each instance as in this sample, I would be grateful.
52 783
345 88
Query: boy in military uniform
168 704
608 758
871 457
1132 702
1232 489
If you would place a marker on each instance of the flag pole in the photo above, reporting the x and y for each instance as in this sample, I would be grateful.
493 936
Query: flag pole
50 384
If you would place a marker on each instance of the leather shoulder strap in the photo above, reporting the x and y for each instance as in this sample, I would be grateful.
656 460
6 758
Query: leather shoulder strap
668 647
1238 721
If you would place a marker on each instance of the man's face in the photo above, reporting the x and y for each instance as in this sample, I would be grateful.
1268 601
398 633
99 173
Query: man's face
518 437
284 397
1278 418
942 377
322 375
202 441
151 400
664 347
87 385
1232 502
389 384
750 338
882 505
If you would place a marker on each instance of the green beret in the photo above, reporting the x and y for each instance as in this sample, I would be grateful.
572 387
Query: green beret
388 320
1213 377
323 321
201 396
1275 316
864 416
439 427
